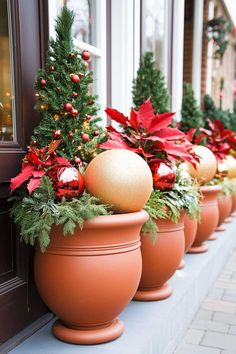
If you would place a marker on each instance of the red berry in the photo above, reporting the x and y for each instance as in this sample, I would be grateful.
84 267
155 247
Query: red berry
75 94
87 117
68 106
96 132
74 78
74 112
57 134
86 55
43 82
85 137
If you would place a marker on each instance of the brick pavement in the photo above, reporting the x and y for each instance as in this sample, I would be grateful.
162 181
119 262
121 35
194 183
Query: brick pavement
213 329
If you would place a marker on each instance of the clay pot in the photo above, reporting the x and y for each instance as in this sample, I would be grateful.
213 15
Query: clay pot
209 218
190 231
225 206
87 279
233 203
160 259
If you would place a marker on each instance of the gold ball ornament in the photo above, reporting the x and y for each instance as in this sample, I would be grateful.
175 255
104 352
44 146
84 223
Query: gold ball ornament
222 170
120 178
206 168
230 162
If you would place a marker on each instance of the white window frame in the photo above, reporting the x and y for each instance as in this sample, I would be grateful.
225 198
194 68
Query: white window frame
98 51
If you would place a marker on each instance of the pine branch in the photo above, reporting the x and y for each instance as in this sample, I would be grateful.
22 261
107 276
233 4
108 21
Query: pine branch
63 27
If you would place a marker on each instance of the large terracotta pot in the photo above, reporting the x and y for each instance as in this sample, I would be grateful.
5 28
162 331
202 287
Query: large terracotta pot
190 231
209 218
87 279
225 206
233 204
160 259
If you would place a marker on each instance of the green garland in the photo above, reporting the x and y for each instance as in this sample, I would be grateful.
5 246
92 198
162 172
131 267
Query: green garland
42 208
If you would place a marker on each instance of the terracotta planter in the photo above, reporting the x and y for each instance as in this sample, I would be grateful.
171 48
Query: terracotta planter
209 218
87 279
190 231
233 210
160 260
225 206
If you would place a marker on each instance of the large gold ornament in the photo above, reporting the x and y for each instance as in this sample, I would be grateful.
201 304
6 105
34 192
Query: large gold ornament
206 168
230 161
222 170
120 178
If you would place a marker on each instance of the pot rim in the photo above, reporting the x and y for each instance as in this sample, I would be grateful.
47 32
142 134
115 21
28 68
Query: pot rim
206 189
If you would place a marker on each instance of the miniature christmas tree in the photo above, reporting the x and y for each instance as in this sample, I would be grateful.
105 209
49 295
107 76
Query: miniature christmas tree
209 108
191 114
62 88
150 83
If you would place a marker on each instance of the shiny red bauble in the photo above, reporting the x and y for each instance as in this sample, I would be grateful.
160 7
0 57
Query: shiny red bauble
70 183
163 175
75 94
75 78
85 137
57 134
77 160
43 82
87 117
96 132
74 112
71 55
86 55
67 106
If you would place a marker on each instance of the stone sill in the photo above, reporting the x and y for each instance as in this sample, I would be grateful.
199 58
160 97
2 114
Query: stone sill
152 327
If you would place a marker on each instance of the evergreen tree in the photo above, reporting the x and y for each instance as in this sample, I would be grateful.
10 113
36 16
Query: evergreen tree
69 112
191 114
209 108
150 83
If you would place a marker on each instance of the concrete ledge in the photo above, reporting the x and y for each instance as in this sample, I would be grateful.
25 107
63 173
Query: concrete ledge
153 327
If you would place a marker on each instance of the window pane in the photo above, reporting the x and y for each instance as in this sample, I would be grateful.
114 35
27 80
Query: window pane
154 36
84 27
6 77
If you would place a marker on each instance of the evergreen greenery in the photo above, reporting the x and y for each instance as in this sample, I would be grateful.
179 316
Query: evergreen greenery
57 89
150 82
36 213
191 114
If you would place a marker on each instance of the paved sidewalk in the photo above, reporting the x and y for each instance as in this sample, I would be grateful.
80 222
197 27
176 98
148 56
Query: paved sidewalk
213 329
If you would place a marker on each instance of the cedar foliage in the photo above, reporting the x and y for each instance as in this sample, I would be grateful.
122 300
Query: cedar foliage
150 82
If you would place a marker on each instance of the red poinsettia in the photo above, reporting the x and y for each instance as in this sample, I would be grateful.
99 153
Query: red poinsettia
215 138
36 164
148 134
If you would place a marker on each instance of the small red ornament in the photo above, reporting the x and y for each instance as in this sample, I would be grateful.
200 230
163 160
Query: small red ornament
86 55
43 82
57 134
77 160
70 183
74 112
67 106
34 142
70 135
96 132
85 137
87 117
81 75
75 94
74 78
52 68
163 175
71 55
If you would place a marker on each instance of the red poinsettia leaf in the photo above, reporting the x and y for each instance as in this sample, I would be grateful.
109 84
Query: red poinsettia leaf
33 184
206 131
154 138
112 129
133 119
190 134
117 116
219 124
63 161
145 114
38 174
211 124
160 121
199 138
176 150
25 173
170 134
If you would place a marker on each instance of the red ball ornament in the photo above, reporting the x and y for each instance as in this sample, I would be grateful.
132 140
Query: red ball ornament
74 112
81 75
70 135
43 82
70 183
34 142
77 160
57 134
96 132
75 94
163 175
87 117
85 137
86 64
67 106
71 55
74 78
86 55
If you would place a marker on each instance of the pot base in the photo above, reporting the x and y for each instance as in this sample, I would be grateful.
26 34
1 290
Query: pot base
233 214
220 228
229 219
182 264
89 336
198 249
212 237
155 294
